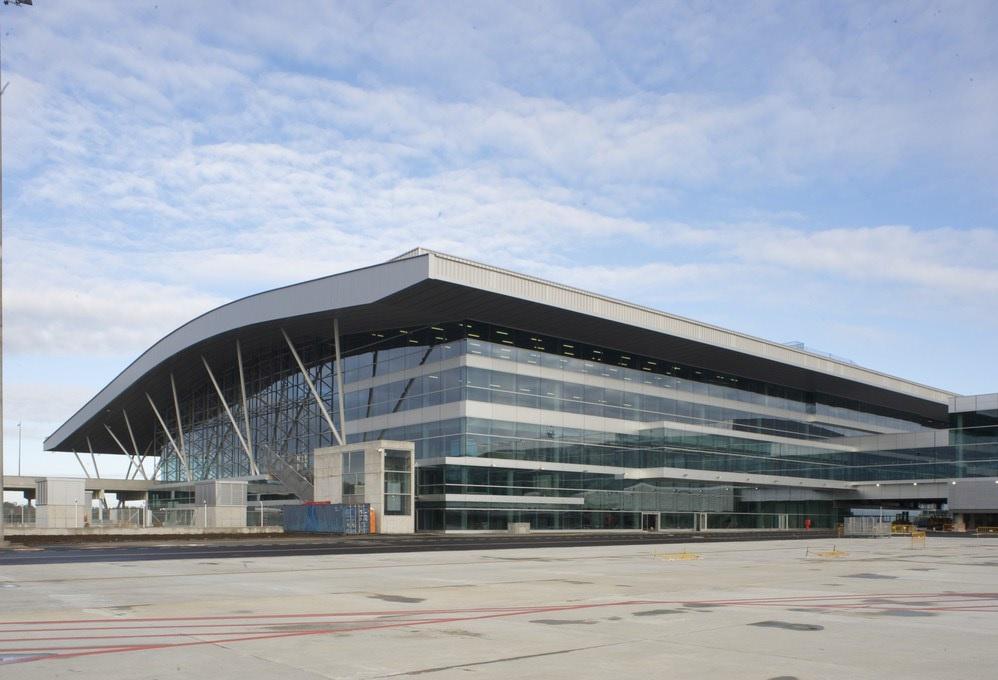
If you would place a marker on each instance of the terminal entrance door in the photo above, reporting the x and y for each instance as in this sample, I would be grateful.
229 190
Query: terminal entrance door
649 521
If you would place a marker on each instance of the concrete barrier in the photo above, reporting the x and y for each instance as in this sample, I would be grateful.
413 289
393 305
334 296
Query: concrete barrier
140 531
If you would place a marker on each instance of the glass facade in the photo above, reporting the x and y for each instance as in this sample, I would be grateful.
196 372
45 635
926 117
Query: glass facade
469 390
353 477
398 476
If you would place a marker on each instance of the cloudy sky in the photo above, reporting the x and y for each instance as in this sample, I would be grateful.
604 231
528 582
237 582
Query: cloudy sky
822 172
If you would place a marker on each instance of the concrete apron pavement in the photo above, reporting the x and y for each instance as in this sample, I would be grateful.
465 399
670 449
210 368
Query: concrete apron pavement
772 609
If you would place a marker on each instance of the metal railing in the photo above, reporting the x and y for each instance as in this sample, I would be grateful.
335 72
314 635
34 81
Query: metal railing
118 517
268 516
725 521
294 479
173 517
866 526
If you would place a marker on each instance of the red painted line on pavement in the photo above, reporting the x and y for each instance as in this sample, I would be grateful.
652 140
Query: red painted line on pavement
272 636
489 609
826 602
262 616
318 626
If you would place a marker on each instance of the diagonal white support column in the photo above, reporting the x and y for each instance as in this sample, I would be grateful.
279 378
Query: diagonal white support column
159 461
176 449
246 420
311 386
339 377
228 412
135 446
142 461
121 446
93 458
84 467
180 424
156 469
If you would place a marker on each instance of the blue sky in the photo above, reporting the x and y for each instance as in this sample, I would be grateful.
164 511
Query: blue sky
823 172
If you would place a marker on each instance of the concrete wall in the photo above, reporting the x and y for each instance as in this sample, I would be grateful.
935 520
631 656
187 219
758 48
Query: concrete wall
976 402
60 491
974 495
60 516
327 473
926 490
220 517
127 531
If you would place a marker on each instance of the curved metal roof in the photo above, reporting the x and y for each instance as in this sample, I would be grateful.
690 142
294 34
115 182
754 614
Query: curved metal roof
423 286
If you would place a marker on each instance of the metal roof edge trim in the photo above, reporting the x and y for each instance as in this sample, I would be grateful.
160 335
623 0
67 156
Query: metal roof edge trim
461 271
271 305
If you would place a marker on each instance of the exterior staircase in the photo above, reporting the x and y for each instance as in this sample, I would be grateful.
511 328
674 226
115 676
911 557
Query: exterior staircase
287 474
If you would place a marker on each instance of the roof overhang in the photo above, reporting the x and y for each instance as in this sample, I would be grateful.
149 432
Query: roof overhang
424 287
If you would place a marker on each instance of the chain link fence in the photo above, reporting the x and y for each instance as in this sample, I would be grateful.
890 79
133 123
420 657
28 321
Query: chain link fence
266 516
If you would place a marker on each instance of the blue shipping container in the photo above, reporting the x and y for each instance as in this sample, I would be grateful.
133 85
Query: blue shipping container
327 519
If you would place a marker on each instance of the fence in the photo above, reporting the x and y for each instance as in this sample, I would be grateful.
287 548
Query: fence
173 517
19 516
117 517
723 521
266 516
866 526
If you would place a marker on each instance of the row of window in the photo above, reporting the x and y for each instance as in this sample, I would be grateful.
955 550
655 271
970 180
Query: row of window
407 349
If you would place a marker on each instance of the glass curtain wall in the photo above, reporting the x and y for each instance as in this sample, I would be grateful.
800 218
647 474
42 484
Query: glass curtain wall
467 389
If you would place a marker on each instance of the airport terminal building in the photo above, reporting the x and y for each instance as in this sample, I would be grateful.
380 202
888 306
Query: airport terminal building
529 401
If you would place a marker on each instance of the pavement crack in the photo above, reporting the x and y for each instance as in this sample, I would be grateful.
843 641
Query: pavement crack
505 659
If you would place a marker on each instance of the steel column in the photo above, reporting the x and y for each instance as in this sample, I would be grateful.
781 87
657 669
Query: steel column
93 458
339 378
180 424
121 446
228 412
84 467
183 458
246 419
135 445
